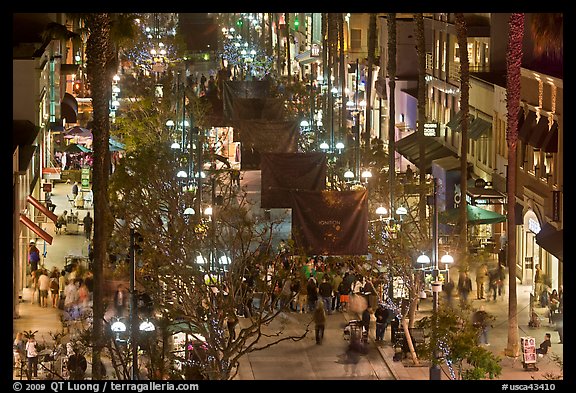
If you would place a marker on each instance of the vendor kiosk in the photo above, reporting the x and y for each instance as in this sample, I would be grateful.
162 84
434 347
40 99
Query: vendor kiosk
72 223
529 355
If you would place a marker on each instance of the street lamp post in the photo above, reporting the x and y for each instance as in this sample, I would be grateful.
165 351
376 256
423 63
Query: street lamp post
133 307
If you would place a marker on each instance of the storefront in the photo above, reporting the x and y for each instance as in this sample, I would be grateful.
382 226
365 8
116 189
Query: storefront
539 244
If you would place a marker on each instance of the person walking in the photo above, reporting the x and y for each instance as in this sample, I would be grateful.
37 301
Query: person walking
302 295
61 221
336 281
409 174
500 277
61 289
74 190
382 315
43 287
464 287
19 351
33 256
32 357
325 292
481 276
480 322
54 287
538 282
312 294
449 291
366 315
319 317
87 221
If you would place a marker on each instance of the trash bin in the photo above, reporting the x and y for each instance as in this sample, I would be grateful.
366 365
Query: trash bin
435 374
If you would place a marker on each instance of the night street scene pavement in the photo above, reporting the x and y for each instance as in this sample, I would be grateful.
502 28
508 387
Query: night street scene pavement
288 196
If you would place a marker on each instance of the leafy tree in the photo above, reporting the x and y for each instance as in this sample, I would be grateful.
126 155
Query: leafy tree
182 266
454 341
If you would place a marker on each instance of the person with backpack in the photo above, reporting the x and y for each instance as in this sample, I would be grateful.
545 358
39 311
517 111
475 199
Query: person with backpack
33 256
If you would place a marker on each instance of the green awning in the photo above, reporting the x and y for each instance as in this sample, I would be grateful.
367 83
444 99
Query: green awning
476 216
479 128
456 120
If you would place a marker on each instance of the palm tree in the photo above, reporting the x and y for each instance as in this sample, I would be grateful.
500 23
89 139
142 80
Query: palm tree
342 73
391 104
513 65
421 53
372 40
100 66
106 34
462 37
288 61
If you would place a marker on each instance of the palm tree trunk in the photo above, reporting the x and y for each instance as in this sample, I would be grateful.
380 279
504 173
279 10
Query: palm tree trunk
372 38
278 51
391 105
99 51
462 36
421 52
342 77
513 64
288 61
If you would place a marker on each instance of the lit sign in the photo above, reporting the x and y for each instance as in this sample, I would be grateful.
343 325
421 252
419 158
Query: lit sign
430 129
533 225
315 50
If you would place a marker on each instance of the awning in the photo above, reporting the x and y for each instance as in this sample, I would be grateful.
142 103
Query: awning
42 208
552 240
527 126
57 127
539 133
479 128
476 216
485 196
114 145
410 148
550 144
69 108
36 229
76 148
24 132
455 121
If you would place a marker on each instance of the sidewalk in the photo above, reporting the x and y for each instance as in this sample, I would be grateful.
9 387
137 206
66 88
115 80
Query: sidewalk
31 315
512 368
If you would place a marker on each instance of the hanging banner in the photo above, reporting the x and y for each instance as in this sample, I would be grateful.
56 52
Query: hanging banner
330 222
282 172
257 109
261 136
242 89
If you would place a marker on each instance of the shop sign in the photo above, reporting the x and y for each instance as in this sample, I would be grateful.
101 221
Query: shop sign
431 129
533 226
315 50
86 178
556 206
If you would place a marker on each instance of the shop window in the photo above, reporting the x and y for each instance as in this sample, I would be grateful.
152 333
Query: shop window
355 39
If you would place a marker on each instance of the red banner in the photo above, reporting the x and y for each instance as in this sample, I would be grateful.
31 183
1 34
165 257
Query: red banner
282 172
330 222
